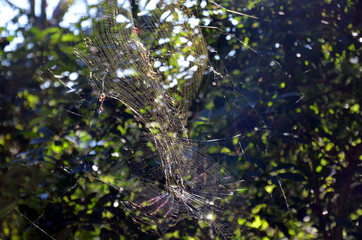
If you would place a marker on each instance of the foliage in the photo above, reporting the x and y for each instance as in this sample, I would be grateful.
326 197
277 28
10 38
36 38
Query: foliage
296 70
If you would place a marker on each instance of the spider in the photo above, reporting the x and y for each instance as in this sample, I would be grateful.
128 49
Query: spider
101 100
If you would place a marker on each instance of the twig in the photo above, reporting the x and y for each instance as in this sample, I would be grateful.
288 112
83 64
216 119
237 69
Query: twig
60 10
234 12
35 225
11 4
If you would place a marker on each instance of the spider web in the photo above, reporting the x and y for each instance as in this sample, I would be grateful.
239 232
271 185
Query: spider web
156 72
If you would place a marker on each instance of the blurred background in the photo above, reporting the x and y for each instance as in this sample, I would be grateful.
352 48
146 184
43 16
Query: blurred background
294 68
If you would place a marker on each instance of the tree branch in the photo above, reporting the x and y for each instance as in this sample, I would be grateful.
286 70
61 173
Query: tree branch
43 6
12 5
60 10
32 16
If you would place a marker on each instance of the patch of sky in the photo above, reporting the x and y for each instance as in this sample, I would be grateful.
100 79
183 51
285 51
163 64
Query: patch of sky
86 24
150 6
177 29
15 43
166 16
194 22
121 19
163 68
125 4
163 41
122 73
183 40
182 62
73 76
190 58
231 53
233 21
157 64
190 3
76 12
